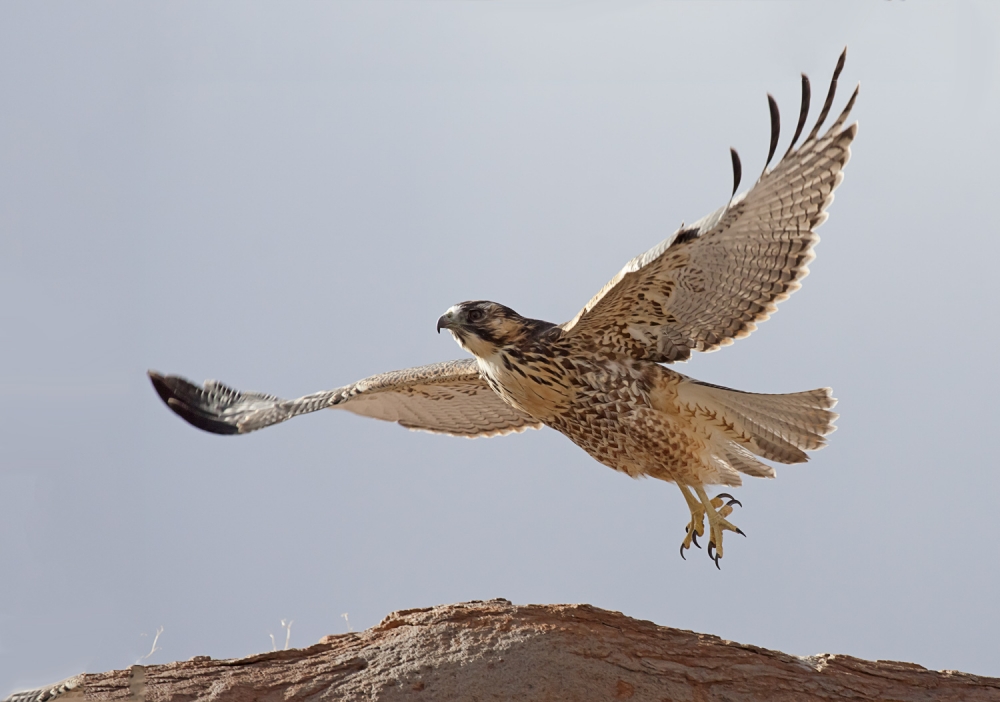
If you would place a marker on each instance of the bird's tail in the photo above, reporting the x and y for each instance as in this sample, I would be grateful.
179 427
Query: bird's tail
776 427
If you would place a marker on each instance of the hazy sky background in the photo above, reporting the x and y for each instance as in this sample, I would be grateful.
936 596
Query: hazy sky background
287 196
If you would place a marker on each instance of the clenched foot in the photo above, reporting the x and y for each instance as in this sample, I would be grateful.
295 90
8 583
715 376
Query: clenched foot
696 527
717 509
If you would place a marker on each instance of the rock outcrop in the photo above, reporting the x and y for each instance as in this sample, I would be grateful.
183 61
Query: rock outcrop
495 650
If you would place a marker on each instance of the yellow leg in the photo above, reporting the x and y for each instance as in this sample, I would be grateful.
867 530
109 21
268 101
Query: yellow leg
696 527
717 511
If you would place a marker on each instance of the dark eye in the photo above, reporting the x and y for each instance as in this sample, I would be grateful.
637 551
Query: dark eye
476 315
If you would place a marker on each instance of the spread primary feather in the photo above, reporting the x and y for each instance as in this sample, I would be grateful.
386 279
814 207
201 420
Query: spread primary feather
600 378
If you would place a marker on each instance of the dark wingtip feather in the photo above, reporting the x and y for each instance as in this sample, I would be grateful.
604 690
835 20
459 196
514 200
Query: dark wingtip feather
854 98
803 112
831 93
841 60
160 385
170 389
737 170
772 105
201 420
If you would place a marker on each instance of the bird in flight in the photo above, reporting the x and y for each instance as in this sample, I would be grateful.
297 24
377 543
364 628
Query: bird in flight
602 377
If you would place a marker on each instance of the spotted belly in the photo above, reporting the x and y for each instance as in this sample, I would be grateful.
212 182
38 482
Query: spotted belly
621 416
620 411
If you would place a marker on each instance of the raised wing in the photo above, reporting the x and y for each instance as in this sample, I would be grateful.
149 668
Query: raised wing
447 398
712 282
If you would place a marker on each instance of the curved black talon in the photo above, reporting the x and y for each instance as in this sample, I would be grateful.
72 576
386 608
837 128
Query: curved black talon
732 500
682 551
716 557
740 532
694 539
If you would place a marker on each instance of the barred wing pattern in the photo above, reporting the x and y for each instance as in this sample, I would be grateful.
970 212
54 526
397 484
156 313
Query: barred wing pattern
446 398
67 690
711 283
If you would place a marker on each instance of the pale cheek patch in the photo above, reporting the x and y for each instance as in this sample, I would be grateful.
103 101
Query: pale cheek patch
473 344
459 339
478 347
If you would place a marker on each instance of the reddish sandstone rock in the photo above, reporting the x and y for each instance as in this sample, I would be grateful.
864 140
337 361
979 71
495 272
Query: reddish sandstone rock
498 651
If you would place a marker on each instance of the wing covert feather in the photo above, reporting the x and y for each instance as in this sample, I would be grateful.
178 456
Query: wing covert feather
447 398
713 282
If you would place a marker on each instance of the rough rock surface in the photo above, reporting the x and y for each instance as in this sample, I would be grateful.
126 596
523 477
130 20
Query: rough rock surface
498 651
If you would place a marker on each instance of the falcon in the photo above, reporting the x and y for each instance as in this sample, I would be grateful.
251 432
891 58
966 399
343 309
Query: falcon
602 378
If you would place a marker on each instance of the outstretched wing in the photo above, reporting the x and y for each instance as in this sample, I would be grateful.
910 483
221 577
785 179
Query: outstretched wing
447 398
68 690
712 282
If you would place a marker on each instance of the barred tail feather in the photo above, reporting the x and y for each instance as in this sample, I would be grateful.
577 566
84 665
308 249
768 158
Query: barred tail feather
744 461
776 427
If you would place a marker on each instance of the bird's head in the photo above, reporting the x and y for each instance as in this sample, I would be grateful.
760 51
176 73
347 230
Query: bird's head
481 327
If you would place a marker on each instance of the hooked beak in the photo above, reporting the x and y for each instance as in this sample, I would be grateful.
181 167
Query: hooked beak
445 320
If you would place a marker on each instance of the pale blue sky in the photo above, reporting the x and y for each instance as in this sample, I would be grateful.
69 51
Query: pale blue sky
287 196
